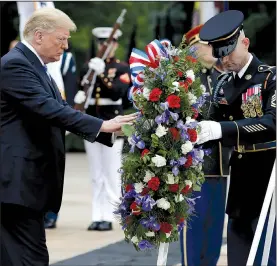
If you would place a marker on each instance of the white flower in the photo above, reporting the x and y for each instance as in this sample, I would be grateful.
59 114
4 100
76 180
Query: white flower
190 74
179 198
138 187
161 131
146 92
188 183
150 234
170 179
163 204
192 98
168 234
134 239
159 161
148 176
187 147
203 87
176 86
189 120
80 97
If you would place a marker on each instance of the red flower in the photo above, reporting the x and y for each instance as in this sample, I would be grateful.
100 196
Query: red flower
176 58
173 101
188 162
186 189
135 208
155 95
185 85
173 188
144 191
128 187
175 133
192 134
144 152
180 74
191 59
166 227
189 81
195 113
154 183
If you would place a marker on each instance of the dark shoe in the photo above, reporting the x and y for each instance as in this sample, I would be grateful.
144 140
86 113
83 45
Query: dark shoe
105 226
93 226
50 223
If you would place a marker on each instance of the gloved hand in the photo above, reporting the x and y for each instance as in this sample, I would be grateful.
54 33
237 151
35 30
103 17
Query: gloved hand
97 64
210 130
80 97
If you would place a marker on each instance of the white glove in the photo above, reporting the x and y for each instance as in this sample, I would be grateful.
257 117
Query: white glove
209 130
80 97
97 64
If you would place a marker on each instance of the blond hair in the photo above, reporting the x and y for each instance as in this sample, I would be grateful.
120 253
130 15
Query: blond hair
47 19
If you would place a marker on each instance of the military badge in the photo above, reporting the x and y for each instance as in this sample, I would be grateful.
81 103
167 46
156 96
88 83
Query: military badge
252 102
112 72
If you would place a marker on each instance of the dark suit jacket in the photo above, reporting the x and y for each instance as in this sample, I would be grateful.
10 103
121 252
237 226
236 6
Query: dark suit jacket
33 122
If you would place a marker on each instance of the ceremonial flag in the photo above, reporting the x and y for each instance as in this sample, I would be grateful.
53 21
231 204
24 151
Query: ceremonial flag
25 10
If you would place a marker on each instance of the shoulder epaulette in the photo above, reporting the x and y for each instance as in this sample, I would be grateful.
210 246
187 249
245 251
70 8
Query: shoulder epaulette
266 68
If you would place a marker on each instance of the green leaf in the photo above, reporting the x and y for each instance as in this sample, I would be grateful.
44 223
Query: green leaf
128 130
162 237
196 188
162 153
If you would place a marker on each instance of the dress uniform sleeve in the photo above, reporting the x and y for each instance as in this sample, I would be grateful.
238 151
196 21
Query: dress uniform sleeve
254 130
120 84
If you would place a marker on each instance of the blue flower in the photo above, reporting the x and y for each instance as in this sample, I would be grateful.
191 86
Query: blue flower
144 244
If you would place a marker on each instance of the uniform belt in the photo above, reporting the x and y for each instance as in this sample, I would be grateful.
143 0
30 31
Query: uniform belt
105 101
256 147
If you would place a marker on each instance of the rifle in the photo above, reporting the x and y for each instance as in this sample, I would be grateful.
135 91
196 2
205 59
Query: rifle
89 79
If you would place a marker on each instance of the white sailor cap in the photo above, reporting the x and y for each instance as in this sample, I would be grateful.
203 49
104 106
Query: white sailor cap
105 32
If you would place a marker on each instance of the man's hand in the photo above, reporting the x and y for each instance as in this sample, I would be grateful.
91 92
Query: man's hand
210 130
97 64
116 123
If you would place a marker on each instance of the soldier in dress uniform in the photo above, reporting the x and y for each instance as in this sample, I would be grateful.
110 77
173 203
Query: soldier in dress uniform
106 102
246 121
201 240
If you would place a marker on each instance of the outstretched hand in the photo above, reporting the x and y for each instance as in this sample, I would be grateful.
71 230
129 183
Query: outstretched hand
116 123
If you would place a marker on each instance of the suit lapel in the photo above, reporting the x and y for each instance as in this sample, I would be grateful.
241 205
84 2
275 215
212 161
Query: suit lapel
39 68
232 91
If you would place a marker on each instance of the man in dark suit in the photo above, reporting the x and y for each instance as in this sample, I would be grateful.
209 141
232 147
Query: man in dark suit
33 122
247 122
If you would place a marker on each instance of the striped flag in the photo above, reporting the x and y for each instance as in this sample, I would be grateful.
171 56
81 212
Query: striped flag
25 10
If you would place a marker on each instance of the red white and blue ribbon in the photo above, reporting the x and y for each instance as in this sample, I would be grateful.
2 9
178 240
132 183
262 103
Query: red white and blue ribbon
139 60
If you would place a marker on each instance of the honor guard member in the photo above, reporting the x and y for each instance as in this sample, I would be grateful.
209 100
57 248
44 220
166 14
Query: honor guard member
246 121
68 71
106 102
201 240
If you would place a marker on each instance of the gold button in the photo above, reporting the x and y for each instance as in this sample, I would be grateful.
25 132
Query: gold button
240 156
224 115
102 75
109 84
108 60
105 79
98 89
231 118
97 95
116 112
204 70
117 61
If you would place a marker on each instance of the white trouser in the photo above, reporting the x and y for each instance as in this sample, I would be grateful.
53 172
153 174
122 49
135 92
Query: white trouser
104 163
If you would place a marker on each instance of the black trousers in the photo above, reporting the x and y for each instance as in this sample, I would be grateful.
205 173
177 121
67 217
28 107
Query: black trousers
22 237
240 235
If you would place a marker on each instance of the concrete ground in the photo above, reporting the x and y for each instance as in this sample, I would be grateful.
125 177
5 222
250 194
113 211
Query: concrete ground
70 244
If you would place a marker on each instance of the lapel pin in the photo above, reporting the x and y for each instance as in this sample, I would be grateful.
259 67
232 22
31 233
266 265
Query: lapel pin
248 77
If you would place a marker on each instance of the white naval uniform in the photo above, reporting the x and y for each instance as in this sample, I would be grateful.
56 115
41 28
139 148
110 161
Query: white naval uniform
104 163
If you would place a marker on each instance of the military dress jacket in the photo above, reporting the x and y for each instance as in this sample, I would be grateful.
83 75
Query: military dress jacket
247 114
217 163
